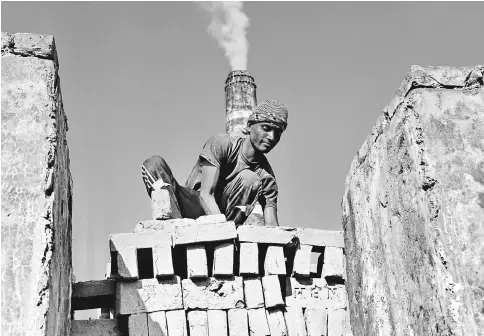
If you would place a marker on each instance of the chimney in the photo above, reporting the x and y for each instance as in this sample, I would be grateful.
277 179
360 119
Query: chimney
240 99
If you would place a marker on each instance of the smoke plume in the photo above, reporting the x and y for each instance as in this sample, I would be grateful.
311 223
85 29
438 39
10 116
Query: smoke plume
228 27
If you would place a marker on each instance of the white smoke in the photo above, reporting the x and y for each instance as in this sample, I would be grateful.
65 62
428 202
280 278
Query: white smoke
229 27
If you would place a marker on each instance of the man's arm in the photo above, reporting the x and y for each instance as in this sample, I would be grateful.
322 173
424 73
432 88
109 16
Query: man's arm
270 216
210 175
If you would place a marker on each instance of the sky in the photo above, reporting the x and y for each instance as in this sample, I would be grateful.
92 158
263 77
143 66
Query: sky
145 78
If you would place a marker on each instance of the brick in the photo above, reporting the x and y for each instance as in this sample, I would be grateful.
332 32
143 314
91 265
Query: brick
163 201
336 322
157 324
316 321
120 241
333 262
95 328
238 323
347 330
307 293
254 296
274 262
191 234
302 261
258 325
37 45
166 226
266 234
211 293
217 322
337 296
272 291
197 322
317 237
223 259
197 261
176 322
138 325
249 259
127 261
296 325
163 261
211 219
93 294
276 321
148 295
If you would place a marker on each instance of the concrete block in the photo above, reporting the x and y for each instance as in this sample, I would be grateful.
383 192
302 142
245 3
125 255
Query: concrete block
138 324
166 226
274 262
302 261
197 322
217 323
337 296
176 322
266 234
296 325
223 259
336 322
163 261
334 264
316 237
276 321
249 259
163 201
95 328
191 234
211 219
197 261
238 323
127 261
307 293
157 324
148 295
254 296
211 293
316 321
272 291
258 325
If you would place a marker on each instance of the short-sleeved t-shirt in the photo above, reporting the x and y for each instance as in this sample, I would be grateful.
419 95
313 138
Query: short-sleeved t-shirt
224 152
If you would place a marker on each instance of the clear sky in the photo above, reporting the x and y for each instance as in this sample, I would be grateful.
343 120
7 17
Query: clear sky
146 78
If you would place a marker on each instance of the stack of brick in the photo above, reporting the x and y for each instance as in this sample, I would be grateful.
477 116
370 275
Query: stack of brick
204 277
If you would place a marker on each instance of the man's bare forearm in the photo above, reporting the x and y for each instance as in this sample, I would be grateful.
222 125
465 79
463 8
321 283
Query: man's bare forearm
270 216
208 204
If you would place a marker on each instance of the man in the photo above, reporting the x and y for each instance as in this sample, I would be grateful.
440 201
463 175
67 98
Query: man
232 173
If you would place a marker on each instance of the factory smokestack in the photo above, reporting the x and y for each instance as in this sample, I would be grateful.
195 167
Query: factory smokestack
240 99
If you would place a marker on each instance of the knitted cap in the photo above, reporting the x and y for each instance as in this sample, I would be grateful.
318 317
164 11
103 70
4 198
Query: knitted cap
272 111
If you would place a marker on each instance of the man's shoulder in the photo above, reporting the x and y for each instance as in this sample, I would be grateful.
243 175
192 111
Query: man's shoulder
223 139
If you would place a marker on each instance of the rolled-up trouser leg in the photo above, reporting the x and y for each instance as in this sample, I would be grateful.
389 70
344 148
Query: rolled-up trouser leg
187 199
243 190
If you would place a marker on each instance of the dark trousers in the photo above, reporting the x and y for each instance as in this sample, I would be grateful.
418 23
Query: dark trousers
243 190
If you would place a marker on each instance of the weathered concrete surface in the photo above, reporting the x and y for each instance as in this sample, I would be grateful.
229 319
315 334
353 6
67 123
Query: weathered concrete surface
413 210
36 190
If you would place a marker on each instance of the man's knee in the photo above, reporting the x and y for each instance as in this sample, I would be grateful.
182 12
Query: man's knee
154 161
249 179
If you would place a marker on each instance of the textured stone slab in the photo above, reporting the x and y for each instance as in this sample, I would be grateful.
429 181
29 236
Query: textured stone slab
238 323
302 261
266 234
274 262
254 296
157 324
334 264
166 226
197 261
272 291
177 323
249 259
307 293
213 293
316 321
336 322
148 295
296 325
258 325
94 328
197 322
223 260
316 237
217 322
276 321
138 324
191 234
211 219
163 261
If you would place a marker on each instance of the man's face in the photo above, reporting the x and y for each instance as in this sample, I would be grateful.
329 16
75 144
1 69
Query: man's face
264 136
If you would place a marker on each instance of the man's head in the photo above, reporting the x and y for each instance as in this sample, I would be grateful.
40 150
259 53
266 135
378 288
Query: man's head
266 124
